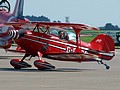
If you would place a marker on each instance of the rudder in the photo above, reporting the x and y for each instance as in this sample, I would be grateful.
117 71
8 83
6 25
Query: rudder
18 11
103 43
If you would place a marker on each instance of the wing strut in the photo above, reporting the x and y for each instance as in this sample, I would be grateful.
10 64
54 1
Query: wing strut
78 42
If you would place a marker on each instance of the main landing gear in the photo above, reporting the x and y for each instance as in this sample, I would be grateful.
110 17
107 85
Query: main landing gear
40 64
101 62
43 65
17 64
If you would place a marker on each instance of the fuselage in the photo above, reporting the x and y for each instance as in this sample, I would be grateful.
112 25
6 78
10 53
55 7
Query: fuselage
53 47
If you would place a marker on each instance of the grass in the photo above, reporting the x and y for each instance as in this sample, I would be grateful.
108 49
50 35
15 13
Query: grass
87 38
90 32
95 33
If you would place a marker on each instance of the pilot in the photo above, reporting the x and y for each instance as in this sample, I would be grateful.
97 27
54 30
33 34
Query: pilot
63 35
66 37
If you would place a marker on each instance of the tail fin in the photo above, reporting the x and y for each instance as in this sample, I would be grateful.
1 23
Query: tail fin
18 11
103 43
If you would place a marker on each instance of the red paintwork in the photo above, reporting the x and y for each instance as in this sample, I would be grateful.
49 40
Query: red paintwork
51 46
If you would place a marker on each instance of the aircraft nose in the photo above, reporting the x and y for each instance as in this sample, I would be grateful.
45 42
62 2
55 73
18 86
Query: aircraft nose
16 34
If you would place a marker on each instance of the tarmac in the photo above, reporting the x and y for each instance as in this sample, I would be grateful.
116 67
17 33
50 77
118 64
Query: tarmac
66 76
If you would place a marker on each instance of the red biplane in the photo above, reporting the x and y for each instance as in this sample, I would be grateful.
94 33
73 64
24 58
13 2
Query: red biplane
6 17
38 39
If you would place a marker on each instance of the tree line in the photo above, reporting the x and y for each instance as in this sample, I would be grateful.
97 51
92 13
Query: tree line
108 26
38 18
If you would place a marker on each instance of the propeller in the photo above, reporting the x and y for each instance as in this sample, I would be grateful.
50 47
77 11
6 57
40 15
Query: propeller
16 34
6 38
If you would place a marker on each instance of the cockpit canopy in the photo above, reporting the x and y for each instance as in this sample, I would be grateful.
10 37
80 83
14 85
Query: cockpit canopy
67 34
71 35
4 5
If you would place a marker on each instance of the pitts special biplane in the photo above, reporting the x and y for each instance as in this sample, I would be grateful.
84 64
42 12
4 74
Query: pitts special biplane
37 39
40 41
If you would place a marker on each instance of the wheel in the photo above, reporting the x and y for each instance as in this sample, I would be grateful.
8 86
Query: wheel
24 64
107 67
15 63
43 65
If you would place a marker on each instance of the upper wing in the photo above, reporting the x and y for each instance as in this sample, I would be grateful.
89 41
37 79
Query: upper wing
52 24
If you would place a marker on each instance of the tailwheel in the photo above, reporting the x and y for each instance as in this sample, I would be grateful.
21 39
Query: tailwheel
43 65
18 64
107 66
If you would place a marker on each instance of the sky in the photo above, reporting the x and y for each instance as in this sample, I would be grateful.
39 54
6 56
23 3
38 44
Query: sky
91 12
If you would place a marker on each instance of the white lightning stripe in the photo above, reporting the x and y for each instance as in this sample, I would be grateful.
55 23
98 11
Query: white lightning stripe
107 54
57 47
46 43
53 40
58 42
102 53
83 48
33 40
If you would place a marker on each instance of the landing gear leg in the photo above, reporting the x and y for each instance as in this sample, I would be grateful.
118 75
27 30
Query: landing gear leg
43 65
101 62
18 64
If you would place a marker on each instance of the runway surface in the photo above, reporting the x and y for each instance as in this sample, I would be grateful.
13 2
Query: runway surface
67 76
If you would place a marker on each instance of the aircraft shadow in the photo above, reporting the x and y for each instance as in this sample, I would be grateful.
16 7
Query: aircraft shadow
56 70
8 57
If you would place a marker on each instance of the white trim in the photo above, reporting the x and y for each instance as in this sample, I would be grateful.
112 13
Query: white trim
33 40
83 48
58 47
46 43
53 40
107 54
